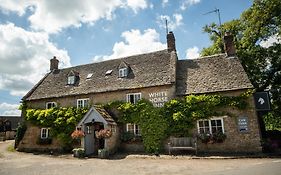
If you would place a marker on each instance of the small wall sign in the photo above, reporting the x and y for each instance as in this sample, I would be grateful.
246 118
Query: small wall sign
243 124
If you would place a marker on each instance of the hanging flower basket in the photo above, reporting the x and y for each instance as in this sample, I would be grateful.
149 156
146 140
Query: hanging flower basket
103 133
77 134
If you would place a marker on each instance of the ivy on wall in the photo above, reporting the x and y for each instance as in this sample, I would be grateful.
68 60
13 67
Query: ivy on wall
149 118
177 116
62 121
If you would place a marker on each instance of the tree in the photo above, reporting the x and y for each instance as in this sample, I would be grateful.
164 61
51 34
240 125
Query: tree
258 24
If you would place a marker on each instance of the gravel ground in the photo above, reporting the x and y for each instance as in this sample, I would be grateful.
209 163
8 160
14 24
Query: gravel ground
14 163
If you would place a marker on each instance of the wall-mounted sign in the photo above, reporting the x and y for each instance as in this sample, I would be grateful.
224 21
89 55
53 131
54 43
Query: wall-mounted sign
158 99
243 124
262 101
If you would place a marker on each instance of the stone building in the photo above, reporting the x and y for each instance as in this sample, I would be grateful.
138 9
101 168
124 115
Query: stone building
8 126
157 76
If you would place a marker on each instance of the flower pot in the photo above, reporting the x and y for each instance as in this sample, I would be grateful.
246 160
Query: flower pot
103 153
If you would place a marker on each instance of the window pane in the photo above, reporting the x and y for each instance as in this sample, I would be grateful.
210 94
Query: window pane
213 122
214 130
49 105
130 128
137 97
201 130
219 123
44 133
86 103
206 124
71 79
200 123
132 99
137 130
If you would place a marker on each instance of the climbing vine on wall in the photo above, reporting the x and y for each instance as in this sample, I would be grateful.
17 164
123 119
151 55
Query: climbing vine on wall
149 118
177 116
62 121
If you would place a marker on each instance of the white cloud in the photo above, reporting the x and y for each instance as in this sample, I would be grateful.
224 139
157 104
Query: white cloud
61 14
10 109
187 3
192 53
136 5
24 58
165 3
135 43
173 23
15 6
270 41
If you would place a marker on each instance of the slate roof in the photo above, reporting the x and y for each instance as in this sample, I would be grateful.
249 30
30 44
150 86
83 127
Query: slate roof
105 115
146 70
210 74
90 116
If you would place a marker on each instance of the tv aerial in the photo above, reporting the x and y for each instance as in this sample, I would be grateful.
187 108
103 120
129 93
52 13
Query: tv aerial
217 11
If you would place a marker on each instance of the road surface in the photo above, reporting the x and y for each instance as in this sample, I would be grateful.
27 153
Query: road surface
15 163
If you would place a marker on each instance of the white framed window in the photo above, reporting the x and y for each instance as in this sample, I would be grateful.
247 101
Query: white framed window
82 103
133 98
44 134
123 72
133 128
210 126
71 79
50 105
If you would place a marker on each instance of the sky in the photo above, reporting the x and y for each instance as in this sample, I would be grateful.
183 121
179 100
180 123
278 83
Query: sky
86 31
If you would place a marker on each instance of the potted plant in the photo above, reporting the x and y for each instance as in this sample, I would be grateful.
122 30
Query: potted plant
219 137
103 153
79 152
204 137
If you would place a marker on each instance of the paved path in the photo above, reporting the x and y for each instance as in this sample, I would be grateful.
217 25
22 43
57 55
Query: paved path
15 163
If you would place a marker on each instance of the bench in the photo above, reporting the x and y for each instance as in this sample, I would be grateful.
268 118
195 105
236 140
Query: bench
182 143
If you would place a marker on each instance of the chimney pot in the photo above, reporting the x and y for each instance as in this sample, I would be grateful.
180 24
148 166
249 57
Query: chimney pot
171 44
54 64
229 45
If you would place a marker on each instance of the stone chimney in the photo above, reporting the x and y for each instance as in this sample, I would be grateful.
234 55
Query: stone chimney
229 45
54 64
171 44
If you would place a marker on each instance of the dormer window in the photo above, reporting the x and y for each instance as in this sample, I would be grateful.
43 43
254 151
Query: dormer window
71 79
123 72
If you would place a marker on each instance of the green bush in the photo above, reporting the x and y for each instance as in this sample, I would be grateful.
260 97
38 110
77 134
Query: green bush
20 133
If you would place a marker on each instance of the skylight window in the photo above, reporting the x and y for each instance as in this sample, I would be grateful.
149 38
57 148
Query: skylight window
108 72
89 76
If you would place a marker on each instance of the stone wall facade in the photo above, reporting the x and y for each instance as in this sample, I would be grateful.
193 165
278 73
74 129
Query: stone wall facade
158 95
236 141
29 141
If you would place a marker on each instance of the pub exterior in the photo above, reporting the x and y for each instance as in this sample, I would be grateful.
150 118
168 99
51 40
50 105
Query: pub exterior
158 77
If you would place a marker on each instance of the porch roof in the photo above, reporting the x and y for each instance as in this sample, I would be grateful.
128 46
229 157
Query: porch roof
97 114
